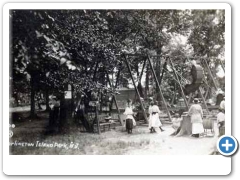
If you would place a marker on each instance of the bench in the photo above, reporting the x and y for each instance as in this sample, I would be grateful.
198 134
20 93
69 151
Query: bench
107 126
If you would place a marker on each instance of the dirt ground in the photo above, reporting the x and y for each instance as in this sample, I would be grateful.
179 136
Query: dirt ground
30 138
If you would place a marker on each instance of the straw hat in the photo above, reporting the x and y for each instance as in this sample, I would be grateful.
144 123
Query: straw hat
196 100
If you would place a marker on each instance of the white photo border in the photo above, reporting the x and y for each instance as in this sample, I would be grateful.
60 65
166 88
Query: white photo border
111 164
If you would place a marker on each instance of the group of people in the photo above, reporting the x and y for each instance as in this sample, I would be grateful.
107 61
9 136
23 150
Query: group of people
154 123
195 112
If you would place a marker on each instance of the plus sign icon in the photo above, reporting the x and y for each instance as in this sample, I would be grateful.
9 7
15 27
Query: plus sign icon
227 145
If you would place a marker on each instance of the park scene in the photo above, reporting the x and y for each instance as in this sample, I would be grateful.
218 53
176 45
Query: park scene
116 82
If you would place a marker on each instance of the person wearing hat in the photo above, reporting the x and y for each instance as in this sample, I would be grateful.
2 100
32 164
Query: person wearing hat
196 114
155 121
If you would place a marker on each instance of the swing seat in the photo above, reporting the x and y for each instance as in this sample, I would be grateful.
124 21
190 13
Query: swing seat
197 78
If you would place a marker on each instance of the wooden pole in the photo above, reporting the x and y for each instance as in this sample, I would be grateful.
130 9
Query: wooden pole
190 97
114 99
97 118
176 76
118 77
140 77
158 85
174 96
206 95
163 71
210 73
204 102
116 84
130 71
222 65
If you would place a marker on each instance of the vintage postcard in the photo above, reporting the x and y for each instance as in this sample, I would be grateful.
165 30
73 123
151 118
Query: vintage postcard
117 85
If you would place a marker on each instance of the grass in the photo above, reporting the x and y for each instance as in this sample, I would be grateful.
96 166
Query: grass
86 144
112 142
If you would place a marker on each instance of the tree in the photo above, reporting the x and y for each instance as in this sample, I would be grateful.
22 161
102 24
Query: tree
27 51
207 38
56 48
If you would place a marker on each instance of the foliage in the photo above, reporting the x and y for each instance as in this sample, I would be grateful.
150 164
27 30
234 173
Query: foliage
80 47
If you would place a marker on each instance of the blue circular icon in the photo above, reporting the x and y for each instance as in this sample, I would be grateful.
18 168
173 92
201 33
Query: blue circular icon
227 145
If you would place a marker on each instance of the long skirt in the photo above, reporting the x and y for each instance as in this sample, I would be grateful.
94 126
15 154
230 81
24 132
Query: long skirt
129 117
155 121
150 121
129 125
197 128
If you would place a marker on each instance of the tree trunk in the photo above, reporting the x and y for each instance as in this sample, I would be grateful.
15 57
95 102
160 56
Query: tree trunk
15 95
32 112
63 114
147 82
140 89
47 100
158 71
185 127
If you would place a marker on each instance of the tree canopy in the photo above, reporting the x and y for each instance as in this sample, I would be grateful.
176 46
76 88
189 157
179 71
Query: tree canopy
78 47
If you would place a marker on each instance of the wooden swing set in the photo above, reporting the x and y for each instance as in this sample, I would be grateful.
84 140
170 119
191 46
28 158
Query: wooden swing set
199 79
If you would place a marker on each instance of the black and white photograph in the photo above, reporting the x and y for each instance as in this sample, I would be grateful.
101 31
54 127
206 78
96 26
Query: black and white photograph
116 81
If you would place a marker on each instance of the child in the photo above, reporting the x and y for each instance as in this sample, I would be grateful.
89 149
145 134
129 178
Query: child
150 117
176 123
221 122
155 120
130 121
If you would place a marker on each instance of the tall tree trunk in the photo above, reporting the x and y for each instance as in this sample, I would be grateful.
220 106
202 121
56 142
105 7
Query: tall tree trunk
158 72
32 112
15 95
63 113
47 100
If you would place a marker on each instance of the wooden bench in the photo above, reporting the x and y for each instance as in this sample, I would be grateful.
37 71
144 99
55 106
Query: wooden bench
107 126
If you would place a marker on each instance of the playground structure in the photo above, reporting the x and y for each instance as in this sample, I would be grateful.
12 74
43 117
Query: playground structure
187 87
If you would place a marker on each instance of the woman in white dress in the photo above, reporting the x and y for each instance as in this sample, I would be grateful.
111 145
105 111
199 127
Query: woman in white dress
150 117
129 113
155 120
196 114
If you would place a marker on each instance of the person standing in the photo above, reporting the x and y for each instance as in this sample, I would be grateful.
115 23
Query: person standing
222 104
150 117
129 117
176 123
221 122
196 114
155 120
54 114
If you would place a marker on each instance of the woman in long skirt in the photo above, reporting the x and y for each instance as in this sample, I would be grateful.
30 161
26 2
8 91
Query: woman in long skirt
196 114
155 120
129 113
150 117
